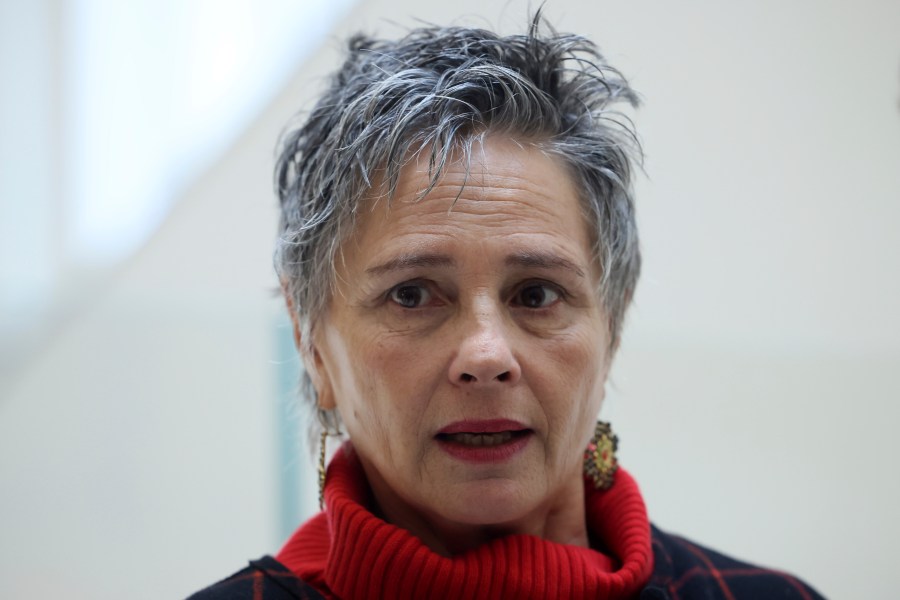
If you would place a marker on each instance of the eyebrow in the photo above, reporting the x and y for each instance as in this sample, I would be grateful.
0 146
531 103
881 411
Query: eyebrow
527 259
412 261
542 260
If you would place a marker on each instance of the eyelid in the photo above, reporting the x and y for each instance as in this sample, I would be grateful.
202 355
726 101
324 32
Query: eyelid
428 286
557 289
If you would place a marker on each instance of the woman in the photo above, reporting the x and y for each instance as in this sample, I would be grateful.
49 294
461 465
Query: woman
458 250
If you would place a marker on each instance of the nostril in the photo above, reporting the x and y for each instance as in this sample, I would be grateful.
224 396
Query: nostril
467 378
503 376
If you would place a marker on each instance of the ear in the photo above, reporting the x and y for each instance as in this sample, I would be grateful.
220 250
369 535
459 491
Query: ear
321 378
295 321
312 359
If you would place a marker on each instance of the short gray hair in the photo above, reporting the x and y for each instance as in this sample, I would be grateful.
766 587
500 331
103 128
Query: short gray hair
435 90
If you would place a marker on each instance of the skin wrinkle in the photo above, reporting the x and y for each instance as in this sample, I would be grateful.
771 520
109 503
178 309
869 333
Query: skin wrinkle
391 370
408 263
568 91
498 187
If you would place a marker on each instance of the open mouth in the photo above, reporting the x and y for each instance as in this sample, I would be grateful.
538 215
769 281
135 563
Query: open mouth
484 440
485 446
476 440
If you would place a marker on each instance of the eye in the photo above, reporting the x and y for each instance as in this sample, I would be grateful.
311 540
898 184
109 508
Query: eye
537 295
410 295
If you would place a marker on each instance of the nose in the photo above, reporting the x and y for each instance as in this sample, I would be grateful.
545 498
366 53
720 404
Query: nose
485 355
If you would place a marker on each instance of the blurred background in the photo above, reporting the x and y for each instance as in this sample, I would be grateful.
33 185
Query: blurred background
149 438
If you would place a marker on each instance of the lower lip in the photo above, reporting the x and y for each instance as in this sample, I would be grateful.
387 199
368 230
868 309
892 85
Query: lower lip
486 454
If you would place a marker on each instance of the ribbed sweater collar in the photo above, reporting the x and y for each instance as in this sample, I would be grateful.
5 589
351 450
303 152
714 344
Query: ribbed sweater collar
347 552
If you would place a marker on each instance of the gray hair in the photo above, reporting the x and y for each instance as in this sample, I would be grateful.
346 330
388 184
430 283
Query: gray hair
435 91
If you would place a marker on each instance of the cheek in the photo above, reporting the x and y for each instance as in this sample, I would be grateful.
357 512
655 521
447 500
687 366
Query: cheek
386 387
576 366
349 366
407 373
578 361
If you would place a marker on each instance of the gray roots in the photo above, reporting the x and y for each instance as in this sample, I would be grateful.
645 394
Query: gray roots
437 91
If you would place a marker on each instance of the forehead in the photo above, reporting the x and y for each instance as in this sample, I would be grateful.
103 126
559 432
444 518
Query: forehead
510 193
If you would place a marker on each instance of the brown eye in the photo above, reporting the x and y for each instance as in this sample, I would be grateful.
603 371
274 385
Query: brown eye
410 295
537 296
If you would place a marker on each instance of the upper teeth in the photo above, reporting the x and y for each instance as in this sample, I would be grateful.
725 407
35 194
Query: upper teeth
481 439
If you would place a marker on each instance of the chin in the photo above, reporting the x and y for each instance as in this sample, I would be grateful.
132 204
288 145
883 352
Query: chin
488 502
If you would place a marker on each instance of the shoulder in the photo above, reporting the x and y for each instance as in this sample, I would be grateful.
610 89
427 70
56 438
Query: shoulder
263 579
685 570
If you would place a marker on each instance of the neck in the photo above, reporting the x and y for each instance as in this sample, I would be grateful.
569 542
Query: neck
560 519
347 552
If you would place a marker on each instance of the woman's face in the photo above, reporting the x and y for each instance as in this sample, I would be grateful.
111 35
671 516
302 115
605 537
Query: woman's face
465 346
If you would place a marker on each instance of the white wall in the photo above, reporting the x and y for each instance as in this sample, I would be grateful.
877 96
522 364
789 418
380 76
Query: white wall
755 394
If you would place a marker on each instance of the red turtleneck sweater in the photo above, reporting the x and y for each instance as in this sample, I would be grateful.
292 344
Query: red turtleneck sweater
347 552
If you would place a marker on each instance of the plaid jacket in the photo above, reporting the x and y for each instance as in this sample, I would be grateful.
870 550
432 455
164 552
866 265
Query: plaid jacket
682 571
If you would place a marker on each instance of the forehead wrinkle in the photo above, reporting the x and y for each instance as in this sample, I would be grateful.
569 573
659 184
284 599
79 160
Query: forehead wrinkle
499 192
498 185
500 200
485 175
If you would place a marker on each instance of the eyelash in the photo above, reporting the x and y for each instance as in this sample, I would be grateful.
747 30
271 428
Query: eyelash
429 294
410 285
554 289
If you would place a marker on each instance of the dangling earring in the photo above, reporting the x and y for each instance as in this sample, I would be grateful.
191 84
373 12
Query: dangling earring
323 442
330 426
600 462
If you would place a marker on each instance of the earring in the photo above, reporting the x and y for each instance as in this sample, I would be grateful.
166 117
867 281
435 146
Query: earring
323 440
331 425
323 444
600 462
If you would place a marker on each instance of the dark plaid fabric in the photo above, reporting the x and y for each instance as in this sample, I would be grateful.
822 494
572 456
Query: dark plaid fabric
682 571
263 579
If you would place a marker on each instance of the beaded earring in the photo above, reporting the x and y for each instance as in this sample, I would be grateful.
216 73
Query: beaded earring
600 463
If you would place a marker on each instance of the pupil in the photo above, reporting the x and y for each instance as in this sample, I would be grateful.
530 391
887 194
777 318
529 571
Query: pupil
534 296
409 296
